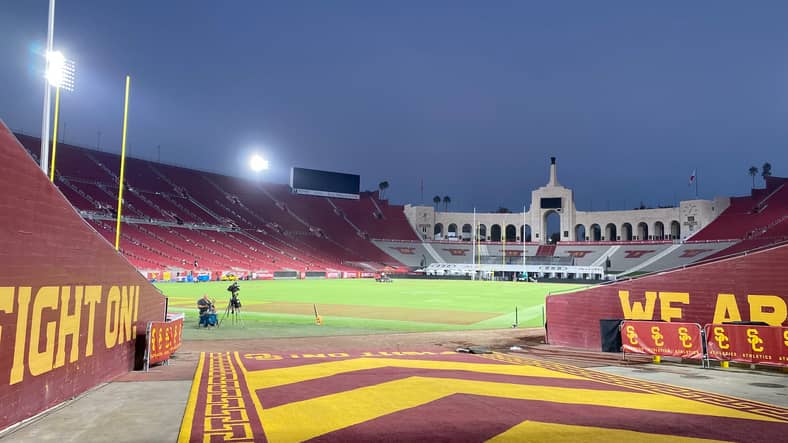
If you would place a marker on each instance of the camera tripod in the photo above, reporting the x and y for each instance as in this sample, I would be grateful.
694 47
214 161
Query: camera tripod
233 311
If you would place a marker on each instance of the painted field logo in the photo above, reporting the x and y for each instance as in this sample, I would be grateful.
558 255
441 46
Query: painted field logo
689 253
456 252
657 336
721 339
636 254
754 340
685 338
578 254
403 250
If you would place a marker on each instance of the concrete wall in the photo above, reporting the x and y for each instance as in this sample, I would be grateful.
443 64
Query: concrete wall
750 287
72 310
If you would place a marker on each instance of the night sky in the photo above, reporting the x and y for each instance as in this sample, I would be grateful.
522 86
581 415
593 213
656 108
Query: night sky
471 97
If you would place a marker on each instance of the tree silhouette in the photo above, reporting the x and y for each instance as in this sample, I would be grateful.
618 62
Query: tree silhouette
753 171
446 201
766 171
382 186
436 200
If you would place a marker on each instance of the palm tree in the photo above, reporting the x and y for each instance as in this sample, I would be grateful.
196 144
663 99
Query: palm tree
766 171
446 201
382 186
436 200
753 171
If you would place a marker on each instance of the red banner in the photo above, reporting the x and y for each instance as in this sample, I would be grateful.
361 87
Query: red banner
662 338
748 344
164 338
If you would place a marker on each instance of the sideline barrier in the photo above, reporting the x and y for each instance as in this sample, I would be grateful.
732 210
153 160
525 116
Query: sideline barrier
767 345
683 340
163 338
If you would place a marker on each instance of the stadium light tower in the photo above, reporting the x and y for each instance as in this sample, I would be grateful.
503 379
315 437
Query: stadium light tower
258 163
47 92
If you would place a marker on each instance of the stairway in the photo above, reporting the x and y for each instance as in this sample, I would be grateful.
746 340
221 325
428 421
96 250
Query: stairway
546 251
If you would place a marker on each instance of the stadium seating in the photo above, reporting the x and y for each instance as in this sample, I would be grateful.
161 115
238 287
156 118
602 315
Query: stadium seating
186 220
176 217
760 215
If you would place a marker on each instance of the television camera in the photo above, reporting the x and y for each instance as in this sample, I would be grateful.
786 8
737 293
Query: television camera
234 305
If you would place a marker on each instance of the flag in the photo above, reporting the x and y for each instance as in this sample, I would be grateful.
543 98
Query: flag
692 177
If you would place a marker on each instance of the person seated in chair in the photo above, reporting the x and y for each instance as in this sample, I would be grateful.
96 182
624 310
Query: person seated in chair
207 312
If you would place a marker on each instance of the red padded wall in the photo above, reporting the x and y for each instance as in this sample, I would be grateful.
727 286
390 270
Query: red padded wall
573 319
50 259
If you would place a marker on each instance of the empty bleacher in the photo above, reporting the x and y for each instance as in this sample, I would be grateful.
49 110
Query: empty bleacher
182 219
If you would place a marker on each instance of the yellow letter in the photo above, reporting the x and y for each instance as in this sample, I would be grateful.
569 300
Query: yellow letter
636 311
41 362
726 309
92 296
666 298
111 325
778 313
126 313
721 338
69 325
18 369
6 303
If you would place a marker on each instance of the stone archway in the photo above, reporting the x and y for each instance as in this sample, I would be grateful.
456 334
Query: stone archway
438 231
675 230
511 233
643 231
611 233
452 233
525 233
551 225
482 232
466 232
626 232
580 232
495 233
596 232
659 231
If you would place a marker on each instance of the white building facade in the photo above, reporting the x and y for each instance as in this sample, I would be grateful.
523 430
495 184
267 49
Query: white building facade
674 223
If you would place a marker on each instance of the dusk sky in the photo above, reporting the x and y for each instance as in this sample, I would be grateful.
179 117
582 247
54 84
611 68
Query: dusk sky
471 97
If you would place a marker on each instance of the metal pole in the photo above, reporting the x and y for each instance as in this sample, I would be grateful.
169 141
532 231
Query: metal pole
122 162
47 91
54 137
473 245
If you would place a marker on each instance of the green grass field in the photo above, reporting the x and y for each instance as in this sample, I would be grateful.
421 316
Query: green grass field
284 308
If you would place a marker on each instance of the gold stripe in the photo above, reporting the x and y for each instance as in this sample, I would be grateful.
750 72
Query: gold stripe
191 405
558 433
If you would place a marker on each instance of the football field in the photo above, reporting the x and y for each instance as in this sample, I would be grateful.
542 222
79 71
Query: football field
286 308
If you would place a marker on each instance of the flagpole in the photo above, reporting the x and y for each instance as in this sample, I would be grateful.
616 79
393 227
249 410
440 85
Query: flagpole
696 184
473 247
523 238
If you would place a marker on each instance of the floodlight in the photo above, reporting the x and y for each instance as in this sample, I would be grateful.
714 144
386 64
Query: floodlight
60 71
258 163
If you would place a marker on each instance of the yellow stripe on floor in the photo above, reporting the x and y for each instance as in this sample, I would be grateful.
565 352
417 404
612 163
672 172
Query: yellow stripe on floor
310 418
557 433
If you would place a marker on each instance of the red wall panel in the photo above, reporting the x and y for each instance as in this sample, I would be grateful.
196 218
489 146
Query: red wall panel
755 286
71 308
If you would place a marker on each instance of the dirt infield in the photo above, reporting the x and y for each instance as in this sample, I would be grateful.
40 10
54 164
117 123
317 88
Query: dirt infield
439 395
450 317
